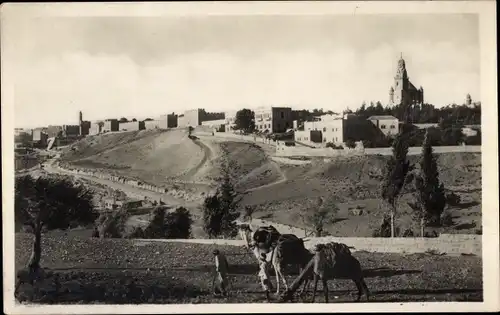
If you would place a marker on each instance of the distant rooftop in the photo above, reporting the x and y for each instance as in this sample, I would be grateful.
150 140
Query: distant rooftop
381 117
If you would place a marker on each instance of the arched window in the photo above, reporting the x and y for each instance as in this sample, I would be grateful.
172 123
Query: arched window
382 126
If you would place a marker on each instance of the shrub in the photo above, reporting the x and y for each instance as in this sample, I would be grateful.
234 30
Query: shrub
385 228
112 225
446 219
453 199
350 143
408 233
333 146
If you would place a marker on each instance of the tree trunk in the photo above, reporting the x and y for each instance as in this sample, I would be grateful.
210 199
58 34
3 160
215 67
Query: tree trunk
422 223
392 222
34 262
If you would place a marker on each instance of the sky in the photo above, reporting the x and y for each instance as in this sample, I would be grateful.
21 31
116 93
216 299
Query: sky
112 67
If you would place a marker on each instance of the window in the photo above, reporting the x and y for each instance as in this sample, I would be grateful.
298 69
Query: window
333 129
278 126
324 128
324 139
336 139
282 115
336 129
382 126
393 127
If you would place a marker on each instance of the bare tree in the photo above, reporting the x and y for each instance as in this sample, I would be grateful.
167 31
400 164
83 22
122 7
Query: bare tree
324 213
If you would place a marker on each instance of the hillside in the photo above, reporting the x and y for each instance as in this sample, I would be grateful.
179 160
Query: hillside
355 181
172 158
281 192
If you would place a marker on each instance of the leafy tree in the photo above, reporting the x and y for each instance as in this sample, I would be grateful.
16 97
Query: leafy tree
134 120
396 170
123 120
245 120
323 214
51 203
178 223
148 119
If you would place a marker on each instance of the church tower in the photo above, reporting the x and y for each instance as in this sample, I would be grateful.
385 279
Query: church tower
403 92
468 100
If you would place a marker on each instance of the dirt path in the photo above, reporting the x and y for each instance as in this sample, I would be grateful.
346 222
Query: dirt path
279 181
207 156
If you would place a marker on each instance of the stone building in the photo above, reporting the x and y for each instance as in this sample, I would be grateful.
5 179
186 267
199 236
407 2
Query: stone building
268 119
110 125
388 124
403 92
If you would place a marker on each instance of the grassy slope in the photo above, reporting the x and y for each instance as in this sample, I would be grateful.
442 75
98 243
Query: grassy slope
95 270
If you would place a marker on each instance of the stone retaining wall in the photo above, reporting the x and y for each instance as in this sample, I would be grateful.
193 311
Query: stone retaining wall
451 244
118 179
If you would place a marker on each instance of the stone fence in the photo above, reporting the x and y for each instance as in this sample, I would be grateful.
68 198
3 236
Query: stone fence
284 151
233 136
451 244
114 178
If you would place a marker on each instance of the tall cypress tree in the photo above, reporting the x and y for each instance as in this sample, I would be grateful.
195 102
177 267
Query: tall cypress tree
397 168
431 191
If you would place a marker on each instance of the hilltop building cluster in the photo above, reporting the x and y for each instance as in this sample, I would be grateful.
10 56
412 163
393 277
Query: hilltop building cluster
310 130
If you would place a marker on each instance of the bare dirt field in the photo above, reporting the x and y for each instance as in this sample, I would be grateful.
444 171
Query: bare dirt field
127 271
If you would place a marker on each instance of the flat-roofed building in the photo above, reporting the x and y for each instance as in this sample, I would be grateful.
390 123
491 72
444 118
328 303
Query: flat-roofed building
388 124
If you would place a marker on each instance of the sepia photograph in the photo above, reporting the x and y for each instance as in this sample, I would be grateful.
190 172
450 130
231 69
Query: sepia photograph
227 157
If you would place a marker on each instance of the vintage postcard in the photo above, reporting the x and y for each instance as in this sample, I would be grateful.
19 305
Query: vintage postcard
230 157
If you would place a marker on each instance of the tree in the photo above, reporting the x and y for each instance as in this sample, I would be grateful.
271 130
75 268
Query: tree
123 120
431 193
221 209
397 168
51 203
178 223
148 119
323 214
245 120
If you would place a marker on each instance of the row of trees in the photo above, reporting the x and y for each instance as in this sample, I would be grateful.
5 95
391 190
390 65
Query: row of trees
429 199
425 113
